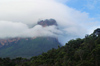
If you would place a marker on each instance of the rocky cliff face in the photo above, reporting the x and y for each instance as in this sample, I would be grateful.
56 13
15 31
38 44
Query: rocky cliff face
5 42
47 22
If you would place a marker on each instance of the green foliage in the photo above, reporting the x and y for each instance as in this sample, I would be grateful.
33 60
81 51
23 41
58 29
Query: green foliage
28 48
79 52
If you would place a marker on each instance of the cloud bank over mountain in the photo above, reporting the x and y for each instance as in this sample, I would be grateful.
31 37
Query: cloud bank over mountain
15 29
17 16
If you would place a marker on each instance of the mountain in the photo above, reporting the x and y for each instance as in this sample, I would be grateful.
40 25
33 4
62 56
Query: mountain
79 52
28 47
47 22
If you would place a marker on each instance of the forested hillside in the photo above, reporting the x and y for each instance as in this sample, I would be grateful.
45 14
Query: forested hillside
79 52
28 47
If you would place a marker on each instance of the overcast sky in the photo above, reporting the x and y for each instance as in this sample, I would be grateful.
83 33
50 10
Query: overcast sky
75 18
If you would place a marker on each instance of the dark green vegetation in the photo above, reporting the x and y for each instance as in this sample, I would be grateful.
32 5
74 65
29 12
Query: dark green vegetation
79 52
28 48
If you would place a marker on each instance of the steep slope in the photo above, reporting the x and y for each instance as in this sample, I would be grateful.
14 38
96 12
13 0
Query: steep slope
28 48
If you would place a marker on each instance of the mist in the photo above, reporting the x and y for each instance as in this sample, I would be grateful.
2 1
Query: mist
16 18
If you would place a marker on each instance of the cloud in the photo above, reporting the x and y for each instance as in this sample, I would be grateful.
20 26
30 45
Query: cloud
39 31
16 17
17 29
11 29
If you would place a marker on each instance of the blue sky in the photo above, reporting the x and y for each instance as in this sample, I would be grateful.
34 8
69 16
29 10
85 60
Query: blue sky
92 7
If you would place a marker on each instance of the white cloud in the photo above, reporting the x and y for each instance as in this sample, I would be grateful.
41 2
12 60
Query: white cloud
16 14
17 29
